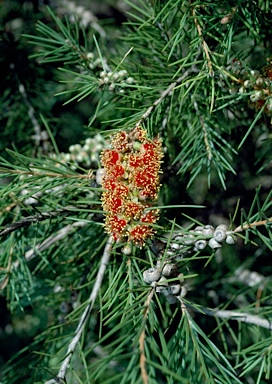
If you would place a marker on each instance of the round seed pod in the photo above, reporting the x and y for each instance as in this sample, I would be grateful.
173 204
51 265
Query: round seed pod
248 84
169 269
232 91
188 239
99 175
230 239
174 246
130 80
267 83
269 105
200 244
220 233
170 253
256 96
162 286
90 55
126 250
178 239
208 230
254 73
123 73
180 277
183 291
259 81
103 74
214 244
151 274
174 289
198 230
115 76
222 226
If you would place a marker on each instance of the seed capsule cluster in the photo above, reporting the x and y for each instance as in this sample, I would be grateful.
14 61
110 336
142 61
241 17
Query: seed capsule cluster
201 237
86 155
158 277
116 81
131 183
257 84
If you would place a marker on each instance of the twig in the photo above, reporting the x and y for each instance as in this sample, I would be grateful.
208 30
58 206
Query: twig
32 172
205 133
231 315
38 137
142 339
85 316
205 46
27 221
31 253
163 95
241 228
7 270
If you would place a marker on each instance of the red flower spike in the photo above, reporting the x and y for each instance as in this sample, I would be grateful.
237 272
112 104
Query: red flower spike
121 190
120 141
135 161
109 184
131 184
139 134
112 202
140 233
115 227
150 217
133 209
109 157
116 171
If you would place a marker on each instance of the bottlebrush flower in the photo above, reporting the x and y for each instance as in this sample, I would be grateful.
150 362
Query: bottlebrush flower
131 184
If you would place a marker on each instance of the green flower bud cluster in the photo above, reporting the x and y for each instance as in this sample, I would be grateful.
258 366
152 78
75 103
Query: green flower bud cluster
79 13
94 62
116 81
255 84
86 155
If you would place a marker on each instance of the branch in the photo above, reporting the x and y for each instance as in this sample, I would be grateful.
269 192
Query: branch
85 316
27 221
232 315
205 133
31 253
241 228
142 338
205 46
163 95
32 172
39 134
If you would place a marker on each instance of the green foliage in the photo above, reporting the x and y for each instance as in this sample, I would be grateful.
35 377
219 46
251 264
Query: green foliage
179 69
